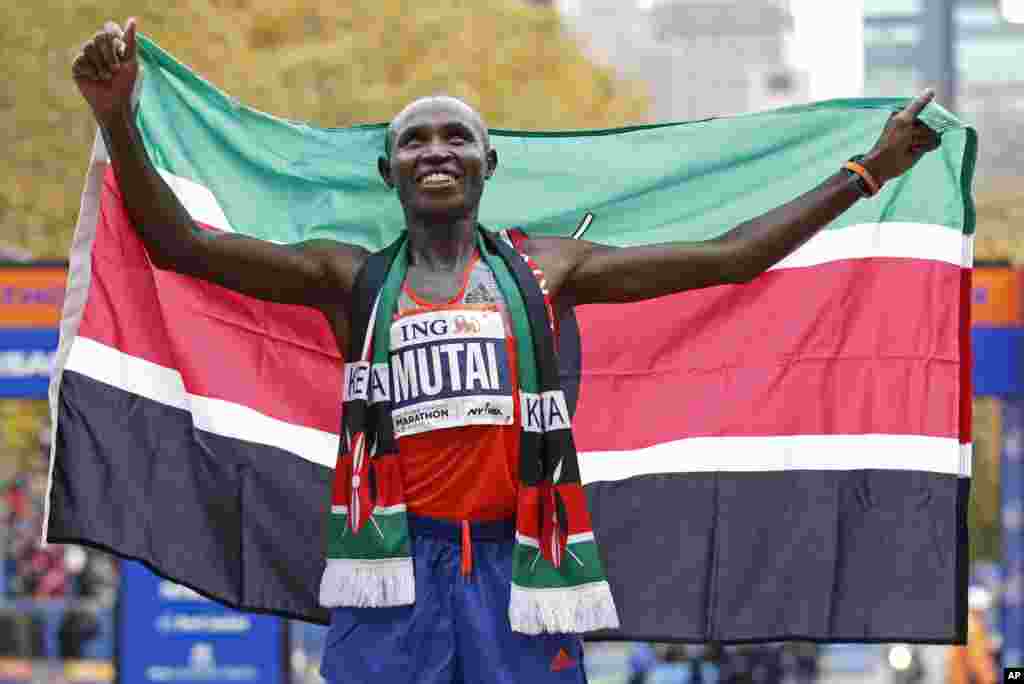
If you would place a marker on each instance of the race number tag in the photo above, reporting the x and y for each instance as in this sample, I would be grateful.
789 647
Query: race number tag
449 368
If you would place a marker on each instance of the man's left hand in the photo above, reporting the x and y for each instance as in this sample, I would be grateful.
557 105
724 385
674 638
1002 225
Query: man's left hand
904 140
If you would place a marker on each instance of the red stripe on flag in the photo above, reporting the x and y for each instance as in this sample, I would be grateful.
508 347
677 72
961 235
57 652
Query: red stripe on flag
967 364
849 347
277 359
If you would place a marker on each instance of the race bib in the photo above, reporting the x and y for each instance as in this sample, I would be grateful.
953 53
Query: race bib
449 368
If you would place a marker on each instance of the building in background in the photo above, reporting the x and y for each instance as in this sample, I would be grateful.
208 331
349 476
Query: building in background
989 72
704 58
700 58
828 44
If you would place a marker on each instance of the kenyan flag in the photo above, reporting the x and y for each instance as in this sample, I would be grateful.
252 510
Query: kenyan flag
788 458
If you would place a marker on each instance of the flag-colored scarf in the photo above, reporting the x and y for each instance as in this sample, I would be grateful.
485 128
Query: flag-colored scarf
558 582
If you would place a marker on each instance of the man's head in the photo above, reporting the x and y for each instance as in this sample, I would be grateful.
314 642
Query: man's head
438 156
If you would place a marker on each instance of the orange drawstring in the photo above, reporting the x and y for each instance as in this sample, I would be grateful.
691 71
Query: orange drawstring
467 550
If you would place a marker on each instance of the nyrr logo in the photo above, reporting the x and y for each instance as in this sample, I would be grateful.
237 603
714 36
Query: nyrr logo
488 409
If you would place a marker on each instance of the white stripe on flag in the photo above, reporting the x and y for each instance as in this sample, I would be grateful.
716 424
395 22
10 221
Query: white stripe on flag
889 240
859 241
201 204
778 453
76 294
696 454
164 385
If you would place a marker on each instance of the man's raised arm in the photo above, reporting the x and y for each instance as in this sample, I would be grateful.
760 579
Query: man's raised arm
584 272
316 273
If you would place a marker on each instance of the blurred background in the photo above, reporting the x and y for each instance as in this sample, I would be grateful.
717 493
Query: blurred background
70 614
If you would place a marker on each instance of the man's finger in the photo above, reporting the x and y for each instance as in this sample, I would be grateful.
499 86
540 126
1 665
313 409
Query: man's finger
106 46
113 28
917 106
129 39
92 52
83 68
920 149
923 135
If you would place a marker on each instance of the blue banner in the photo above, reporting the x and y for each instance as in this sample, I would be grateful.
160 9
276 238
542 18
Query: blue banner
31 299
26 358
169 633
1012 484
998 361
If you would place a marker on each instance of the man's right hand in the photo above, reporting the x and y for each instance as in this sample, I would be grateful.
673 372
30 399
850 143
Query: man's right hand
316 273
105 71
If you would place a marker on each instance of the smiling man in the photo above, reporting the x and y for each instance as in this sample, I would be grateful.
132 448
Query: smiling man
455 442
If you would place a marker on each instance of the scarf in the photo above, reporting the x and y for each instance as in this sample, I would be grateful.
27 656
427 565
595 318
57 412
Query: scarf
558 581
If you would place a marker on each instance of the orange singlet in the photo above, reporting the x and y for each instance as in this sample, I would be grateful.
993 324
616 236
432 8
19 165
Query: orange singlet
456 402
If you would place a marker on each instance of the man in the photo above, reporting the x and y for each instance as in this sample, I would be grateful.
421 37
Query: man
438 159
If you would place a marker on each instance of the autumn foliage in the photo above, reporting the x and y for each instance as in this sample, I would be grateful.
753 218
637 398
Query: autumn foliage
328 63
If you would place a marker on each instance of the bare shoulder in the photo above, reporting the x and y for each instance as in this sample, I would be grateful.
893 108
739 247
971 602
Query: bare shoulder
340 262
559 257
560 252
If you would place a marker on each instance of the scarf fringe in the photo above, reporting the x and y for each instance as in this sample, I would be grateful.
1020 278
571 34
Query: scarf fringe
367 583
565 610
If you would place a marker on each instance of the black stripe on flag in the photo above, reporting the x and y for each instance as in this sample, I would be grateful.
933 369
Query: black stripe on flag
849 556
840 556
239 522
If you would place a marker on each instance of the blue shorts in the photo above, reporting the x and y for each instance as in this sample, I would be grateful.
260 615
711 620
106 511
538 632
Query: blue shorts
457 630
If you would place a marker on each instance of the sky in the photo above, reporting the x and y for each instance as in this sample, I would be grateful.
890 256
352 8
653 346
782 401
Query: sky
827 41
1013 10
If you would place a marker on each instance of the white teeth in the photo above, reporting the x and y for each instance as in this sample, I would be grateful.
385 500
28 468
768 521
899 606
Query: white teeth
437 179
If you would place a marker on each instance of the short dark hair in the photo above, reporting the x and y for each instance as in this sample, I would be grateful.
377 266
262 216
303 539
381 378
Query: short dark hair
478 120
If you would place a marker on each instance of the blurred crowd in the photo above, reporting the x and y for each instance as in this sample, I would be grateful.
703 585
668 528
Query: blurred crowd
54 600
976 663
795 663
804 663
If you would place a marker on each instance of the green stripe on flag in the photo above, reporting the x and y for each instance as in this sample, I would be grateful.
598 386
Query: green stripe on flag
288 181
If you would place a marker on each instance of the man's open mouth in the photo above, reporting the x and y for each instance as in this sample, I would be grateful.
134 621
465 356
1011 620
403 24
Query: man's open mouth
436 180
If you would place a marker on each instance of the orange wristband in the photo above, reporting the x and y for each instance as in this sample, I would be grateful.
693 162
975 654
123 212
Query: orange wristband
869 180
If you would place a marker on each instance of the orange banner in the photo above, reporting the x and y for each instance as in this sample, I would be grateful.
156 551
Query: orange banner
31 295
996 296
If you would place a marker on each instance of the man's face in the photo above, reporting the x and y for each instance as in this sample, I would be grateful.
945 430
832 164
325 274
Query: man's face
439 159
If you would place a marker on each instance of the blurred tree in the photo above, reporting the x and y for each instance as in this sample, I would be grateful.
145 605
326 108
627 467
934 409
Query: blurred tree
332 64
1000 210
20 423
984 511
